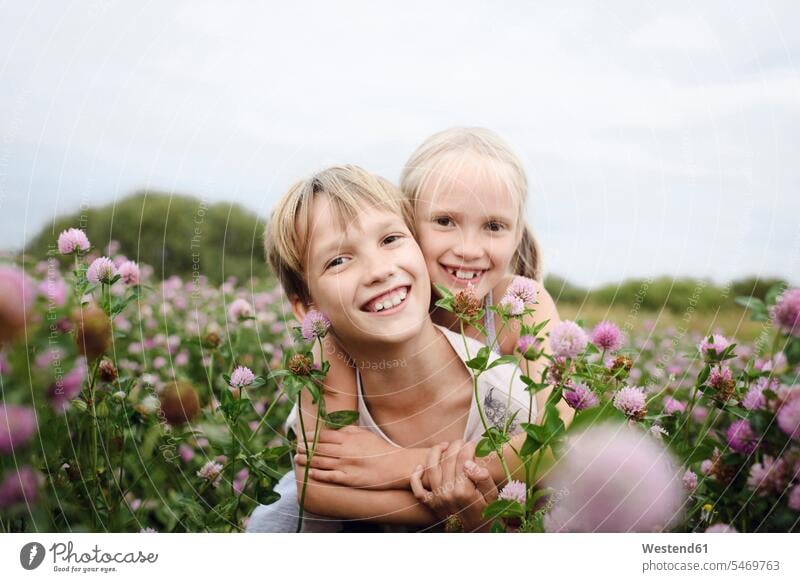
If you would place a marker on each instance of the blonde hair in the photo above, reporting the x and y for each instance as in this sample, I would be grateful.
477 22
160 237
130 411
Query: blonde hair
426 159
350 189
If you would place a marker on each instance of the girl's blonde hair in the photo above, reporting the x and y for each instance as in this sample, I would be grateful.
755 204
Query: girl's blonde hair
426 160
350 189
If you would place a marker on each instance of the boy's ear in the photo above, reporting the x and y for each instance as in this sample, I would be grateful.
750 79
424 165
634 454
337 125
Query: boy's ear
299 308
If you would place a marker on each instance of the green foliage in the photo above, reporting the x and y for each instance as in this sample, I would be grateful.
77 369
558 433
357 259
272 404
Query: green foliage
676 295
177 235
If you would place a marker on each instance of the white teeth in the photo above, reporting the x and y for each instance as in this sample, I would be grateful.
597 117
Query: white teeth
465 274
392 301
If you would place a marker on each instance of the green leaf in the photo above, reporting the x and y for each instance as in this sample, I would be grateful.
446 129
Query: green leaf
444 292
341 418
773 293
217 434
504 508
727 353
275 453
191 509
530 446
536 439
592 416
484 447
479 361
491 440
553 423
704 373
752 303
502 360
314 391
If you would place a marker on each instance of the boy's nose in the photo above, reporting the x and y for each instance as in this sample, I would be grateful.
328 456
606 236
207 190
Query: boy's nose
379 270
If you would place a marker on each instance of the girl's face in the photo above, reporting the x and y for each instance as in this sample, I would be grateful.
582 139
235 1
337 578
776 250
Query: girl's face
368 278
467 223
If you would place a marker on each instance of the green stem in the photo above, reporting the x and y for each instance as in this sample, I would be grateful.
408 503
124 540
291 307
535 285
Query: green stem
690 408
305 470
211 375
266 415
497 449
775 341
530 392
536 466
707 424
94 436
507 423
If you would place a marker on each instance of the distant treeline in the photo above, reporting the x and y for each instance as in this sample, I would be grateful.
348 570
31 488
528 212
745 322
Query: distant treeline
673 294
184 235
176 234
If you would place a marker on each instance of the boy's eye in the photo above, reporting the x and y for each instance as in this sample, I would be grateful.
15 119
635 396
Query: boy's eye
392 238
335 262
443 220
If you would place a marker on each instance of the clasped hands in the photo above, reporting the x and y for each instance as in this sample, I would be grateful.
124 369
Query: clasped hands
447 478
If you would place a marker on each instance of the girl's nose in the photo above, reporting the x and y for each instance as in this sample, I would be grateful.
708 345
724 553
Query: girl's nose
468 248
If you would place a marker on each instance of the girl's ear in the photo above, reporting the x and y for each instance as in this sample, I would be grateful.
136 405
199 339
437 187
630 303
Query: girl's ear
299 308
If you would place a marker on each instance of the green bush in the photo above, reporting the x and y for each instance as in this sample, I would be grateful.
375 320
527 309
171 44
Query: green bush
177 235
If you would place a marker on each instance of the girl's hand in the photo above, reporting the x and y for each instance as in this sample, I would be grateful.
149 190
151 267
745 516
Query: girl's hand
459 487
356 457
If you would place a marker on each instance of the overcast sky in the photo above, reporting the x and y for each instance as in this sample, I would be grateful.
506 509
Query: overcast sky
659 138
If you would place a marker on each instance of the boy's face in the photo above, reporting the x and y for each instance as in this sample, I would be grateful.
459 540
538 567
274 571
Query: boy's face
370 278
467 224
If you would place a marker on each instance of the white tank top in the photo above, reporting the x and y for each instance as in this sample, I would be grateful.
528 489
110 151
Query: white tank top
493 391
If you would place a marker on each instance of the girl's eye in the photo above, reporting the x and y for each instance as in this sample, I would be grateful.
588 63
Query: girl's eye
443 220
495 226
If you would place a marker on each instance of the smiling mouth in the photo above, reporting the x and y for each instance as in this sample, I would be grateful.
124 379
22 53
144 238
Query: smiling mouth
388 300
463 273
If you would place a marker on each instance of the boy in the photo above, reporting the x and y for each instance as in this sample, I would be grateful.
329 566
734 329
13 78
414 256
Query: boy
341 242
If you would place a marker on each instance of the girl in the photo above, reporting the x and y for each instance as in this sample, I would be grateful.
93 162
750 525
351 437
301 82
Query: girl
468 191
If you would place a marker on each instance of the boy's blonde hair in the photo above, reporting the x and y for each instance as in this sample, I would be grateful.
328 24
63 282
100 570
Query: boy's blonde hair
426 161
350 189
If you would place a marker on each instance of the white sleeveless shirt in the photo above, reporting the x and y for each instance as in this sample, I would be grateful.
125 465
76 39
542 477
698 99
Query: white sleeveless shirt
500 389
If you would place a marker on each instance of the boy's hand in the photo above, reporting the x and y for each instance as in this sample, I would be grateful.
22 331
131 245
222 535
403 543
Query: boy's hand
355 457
458 485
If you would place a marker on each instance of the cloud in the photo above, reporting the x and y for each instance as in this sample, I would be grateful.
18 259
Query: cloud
653 131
